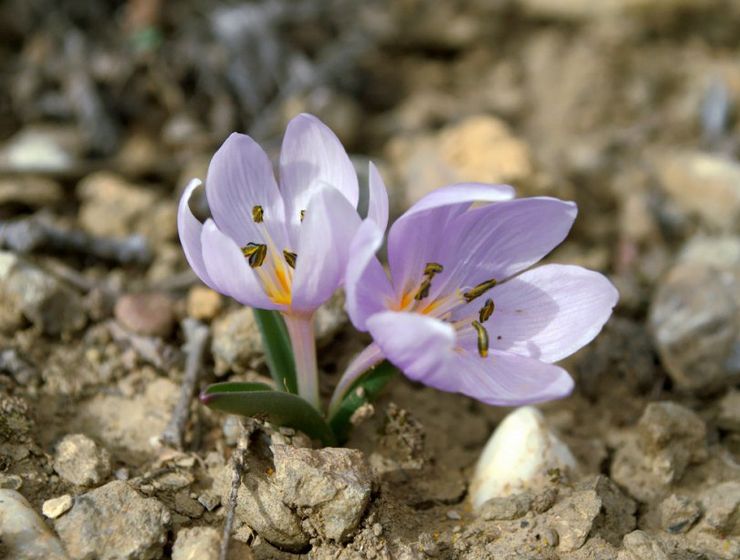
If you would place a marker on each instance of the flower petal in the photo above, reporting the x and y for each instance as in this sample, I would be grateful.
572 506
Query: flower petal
240 177
551 311
367 285
419 345
323 249
377 205
229 270
504 379
420 234
312 153
190 230
500 240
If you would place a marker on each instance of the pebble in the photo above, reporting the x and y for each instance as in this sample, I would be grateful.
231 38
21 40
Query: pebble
721 505
235 343
148 314
55 507
113 207
197 543
80 461
678 513
702 184
114 522
28 293
674 436
728 417
518 457
638 545
23 534
583 514
41 149
505 508
203 303
35 192
479 148
694 320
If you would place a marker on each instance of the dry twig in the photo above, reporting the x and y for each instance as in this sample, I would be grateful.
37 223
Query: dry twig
196 336
239 465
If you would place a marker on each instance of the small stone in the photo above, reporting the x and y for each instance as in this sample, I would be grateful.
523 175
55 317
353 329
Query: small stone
197 543
28 293
550 537
678 513
479 148
41 149
518 457
150 314
510 507
114 522
335 483
453 515
23 534
80 461
721 509
330 318
596 508
638 545
729 411
377 529
703 184
56 506
113 207
694 319
674 436
35 192
203 303
209 501
236 344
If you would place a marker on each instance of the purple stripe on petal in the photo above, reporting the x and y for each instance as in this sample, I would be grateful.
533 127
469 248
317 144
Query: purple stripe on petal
377 209
551 311
418 345
325 235
367 285
229 270
312 153
504 379
190 230
241 177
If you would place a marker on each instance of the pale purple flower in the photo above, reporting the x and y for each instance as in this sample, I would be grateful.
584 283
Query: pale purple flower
462 311
280 247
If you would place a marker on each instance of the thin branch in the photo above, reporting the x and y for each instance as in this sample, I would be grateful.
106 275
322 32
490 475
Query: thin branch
239 465
196 337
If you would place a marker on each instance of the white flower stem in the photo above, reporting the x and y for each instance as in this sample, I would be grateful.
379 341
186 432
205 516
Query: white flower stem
370 357
300 330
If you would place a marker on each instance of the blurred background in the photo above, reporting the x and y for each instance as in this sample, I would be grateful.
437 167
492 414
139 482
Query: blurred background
108 108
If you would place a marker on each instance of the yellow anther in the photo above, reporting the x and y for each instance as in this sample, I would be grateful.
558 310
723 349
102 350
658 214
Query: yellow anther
482 339
432 268
486 311
423 292
479 290
258 214
256 253
290 258
303 214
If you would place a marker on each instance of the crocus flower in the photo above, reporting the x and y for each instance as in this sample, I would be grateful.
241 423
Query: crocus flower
462 311
280 247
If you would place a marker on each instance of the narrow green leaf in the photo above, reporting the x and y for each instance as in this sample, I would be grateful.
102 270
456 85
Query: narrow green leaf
278 407
278 350
365 389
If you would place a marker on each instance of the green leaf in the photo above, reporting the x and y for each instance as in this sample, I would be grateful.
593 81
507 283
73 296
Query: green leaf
278 407
278 350
365 389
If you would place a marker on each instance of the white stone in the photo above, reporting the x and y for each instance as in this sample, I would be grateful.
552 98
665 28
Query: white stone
22 532
56 506
518 457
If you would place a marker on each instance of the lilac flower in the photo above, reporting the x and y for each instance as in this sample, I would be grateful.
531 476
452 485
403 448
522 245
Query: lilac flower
280 247
462 311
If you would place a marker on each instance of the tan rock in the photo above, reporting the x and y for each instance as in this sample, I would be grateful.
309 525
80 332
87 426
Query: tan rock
203 303
55 507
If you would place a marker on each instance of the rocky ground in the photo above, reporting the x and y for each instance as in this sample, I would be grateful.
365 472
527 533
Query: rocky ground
628 107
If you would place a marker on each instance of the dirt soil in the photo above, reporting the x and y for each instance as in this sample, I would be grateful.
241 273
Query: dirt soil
628 107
